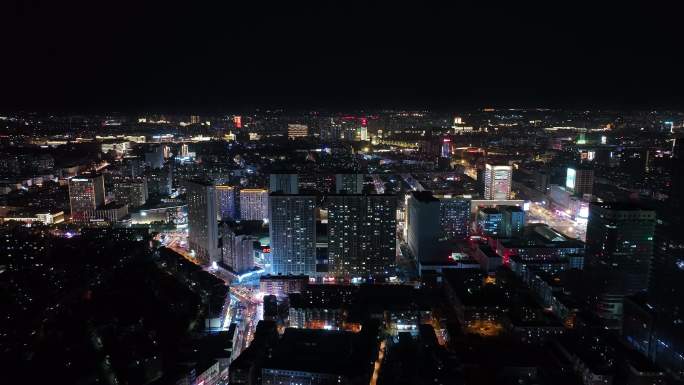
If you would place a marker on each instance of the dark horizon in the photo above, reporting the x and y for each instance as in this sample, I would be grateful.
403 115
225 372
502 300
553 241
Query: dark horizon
166 57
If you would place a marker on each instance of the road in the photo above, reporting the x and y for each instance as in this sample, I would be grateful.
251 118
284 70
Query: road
378 184
412 182
558 221
246 303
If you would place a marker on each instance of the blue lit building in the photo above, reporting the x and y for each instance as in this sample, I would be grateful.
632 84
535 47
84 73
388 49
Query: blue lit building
489 221
512 221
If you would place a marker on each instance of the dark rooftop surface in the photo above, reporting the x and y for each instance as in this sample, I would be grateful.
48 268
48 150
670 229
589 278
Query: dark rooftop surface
321 351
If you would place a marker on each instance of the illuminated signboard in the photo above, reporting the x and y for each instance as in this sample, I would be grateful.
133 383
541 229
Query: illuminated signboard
570 178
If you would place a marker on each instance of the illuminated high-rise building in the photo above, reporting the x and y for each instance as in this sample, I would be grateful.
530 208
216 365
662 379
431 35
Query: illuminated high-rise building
131 190
203 237
286 183
620 252
226 202
292 230
362 235
446 148
184 150
253 204
160 181
497 182
237 247
455 216
363 132
86 193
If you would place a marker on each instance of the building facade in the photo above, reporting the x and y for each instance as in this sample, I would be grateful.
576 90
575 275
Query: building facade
362 235
226 202
620 252
86 193
292 229
132 191
423 226
253 204
203 237
497 181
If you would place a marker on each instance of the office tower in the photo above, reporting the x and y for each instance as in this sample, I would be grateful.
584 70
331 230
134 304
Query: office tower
253 204
455 217
194 119
184 150
362 233
619 250
666 286
349 183
512 221
541 181
297 131
677 171
652 323
237 247
497 182
331 128
349 131
423 225
292 229
86 193
154 157
225 201
580 180
159 181
489 221
132 191
286 183
203 238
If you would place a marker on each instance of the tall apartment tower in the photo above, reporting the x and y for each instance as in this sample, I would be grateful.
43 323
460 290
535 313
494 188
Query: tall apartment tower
292 229
423 225
286 183
203 237
497 182
86 193
237 247
362 235
253 204
620 251
131 190
226 202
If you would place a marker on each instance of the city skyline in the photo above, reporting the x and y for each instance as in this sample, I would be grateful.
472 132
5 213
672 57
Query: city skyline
350 193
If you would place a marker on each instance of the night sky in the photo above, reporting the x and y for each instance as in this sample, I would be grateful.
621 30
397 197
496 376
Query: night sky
164 56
